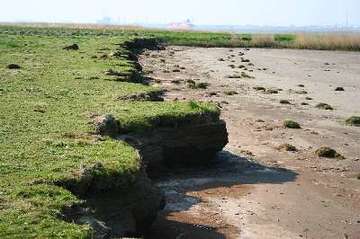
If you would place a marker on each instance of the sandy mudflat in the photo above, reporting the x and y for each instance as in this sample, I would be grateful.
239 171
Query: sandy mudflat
256 190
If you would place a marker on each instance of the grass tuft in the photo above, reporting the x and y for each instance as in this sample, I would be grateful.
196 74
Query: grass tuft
353 121
291 124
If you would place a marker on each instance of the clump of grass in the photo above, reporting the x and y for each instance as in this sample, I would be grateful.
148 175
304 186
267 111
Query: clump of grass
245 75
259 88
40 107
272 91
353 121
263 40
201 85
285 102
288 147
13 66
246 37
284 38
230 92
73 47
301 92
324 106
327 152
235 76
176 82
339 88
190 82
291 124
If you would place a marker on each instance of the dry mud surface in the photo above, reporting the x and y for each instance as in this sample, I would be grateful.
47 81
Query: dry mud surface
255 190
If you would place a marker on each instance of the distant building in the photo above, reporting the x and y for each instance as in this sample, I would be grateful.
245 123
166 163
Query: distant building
185 25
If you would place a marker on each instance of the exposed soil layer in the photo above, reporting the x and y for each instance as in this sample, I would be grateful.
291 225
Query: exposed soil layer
255 189
113 208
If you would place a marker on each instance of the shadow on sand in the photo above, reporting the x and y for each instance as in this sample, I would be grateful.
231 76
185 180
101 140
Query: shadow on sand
226 171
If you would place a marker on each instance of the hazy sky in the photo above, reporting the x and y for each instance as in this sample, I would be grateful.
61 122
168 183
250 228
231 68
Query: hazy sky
235 12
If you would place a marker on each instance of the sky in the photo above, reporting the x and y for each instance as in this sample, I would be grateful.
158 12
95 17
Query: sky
200 12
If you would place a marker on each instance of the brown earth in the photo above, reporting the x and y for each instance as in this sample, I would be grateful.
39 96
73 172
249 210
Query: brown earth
254 189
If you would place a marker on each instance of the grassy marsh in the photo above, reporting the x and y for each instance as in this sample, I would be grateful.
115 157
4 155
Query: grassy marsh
46 139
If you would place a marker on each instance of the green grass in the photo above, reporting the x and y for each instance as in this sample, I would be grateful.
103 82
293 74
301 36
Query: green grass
45 135
319 41
284 37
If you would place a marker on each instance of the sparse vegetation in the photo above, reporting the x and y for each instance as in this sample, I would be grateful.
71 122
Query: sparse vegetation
245 75
259 88
194 85
272 91
326 152
339 88
291 124
234 76
301 92
230 92
13 66
285 102
47 144
288 147
353 121
324 106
